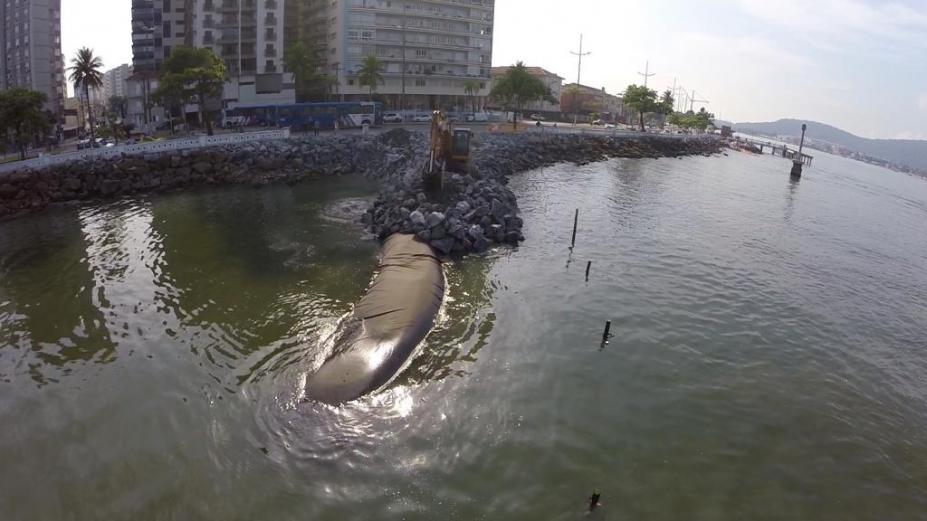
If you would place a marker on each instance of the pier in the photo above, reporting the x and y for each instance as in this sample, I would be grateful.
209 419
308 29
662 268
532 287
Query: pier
776 150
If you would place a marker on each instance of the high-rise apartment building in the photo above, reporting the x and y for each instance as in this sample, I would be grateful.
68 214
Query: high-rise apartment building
114 82
30 49
432 51
247 35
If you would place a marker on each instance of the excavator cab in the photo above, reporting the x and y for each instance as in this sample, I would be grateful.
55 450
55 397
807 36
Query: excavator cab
450 151
460 150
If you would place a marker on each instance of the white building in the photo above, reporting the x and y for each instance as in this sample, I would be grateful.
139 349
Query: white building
247 35
114 82
431 50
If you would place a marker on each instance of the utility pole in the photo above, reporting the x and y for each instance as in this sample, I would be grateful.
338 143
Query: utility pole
647 74
402 95
580 54
694 100
579 71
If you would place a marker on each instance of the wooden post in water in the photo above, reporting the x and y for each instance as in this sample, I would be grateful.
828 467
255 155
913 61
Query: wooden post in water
608 328
588 267
575 223
797 163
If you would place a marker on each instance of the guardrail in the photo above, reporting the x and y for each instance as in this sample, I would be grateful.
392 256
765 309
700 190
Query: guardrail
145 148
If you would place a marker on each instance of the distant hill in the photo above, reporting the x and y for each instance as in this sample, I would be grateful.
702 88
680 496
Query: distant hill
909 152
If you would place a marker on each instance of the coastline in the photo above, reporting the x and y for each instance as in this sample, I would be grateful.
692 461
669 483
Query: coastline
473 212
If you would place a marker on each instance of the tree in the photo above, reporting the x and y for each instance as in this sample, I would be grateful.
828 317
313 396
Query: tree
575 104
643 100
311 84
22 117
471 87
700 120
85 72
118 106
667 102
517 88
369 74
193 75
170 96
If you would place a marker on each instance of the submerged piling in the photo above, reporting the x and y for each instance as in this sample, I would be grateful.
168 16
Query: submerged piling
588 267
575 223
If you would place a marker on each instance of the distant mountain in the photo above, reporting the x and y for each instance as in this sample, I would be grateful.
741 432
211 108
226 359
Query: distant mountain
908 152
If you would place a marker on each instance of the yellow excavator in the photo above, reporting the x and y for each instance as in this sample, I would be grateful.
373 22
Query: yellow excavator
449 152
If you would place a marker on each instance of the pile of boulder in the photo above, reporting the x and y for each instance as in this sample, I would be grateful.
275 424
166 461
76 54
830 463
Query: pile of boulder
476 210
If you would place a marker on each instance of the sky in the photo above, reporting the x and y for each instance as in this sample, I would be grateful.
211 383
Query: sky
854 64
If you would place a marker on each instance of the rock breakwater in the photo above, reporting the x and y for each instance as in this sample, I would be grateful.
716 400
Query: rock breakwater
476 210
255 164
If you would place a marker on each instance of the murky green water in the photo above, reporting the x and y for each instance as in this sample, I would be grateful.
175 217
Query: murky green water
768 359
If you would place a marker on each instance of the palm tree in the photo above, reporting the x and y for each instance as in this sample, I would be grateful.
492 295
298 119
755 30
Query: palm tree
471 87
85 72
369 74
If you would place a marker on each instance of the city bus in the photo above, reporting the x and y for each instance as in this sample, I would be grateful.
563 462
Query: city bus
302 116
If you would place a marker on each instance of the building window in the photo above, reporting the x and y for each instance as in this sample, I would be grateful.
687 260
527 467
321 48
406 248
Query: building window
419 83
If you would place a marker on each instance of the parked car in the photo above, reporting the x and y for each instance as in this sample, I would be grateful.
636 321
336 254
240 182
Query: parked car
392 117
597 123
536 117
421 118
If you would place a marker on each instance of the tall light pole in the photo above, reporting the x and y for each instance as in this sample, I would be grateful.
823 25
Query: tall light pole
580 54
646 74
402 95
579 71
695 100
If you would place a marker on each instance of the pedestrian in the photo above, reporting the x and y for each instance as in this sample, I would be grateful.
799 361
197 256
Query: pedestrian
315 127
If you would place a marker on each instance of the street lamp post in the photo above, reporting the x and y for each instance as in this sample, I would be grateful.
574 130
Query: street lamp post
402 95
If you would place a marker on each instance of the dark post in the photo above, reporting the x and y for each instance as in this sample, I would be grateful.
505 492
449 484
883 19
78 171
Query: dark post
594 500
575 222
797 163
588 266
608 328
802 144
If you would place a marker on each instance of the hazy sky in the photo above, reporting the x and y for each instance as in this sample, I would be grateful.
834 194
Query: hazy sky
856 64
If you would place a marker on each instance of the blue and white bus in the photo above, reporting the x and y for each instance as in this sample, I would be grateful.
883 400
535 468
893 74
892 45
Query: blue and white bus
302 116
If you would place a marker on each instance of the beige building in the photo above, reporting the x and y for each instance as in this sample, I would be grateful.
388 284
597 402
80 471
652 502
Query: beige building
73 120
582 99
430 50
30 49
552 81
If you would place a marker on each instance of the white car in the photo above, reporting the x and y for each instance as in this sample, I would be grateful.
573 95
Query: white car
421 118
392 117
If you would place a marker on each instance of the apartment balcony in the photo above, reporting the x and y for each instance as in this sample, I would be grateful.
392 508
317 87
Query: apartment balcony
270 4
412 13
270 20
270 52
